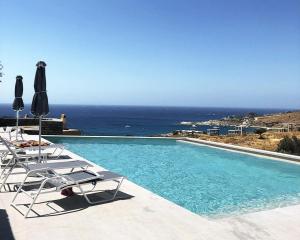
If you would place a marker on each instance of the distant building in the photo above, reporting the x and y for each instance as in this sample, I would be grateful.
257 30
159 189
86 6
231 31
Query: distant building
213 131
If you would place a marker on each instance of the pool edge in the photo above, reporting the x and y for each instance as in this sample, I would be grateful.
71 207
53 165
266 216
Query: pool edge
225 146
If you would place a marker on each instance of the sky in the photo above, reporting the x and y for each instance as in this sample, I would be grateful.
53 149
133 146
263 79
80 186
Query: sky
233 53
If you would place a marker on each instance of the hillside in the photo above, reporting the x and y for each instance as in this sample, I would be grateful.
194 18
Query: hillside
277 120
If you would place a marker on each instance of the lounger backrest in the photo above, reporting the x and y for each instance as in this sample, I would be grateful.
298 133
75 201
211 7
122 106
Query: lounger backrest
8 147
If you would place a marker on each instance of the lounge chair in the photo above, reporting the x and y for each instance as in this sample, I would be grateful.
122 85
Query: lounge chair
30 168
9 150
55 182
27 162
10 156
54 154
15 160
12 132
19 160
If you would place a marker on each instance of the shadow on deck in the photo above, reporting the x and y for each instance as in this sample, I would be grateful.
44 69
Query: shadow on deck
75 203
5 228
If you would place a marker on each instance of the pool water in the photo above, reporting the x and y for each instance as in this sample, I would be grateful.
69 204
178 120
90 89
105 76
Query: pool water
202 179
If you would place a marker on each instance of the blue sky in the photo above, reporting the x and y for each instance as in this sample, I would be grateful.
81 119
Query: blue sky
169 52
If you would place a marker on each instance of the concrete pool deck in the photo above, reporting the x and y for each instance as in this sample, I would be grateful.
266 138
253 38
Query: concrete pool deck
140 214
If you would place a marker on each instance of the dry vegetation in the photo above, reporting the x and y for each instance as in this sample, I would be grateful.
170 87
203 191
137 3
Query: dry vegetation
252 140
278 119
270 139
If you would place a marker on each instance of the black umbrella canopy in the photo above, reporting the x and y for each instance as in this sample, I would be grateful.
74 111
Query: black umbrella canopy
39 106
18 103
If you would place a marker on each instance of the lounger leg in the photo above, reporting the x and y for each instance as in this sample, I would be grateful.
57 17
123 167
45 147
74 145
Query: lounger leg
3 170
3 156
31 205
6 176
5 167
83 193
60 153
114 196
56 150
117 189
35 197
20 188
15 197
87 198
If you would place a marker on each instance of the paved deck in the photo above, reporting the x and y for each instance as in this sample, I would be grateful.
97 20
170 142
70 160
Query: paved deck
139 214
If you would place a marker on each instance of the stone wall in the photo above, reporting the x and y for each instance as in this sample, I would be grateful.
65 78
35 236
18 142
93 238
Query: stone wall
49 127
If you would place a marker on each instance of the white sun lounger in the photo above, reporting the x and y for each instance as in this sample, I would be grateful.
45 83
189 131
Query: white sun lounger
15 160
11 132
29 163
42 167
57 150
55 182
9 155
55 153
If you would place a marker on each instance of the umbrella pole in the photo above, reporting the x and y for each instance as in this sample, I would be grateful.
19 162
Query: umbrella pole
40 135
17 126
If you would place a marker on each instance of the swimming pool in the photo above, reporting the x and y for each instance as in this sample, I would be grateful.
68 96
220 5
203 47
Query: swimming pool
205 180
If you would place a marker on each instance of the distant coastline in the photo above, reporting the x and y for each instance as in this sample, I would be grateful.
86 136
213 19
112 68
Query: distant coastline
136 120
269 131
253 120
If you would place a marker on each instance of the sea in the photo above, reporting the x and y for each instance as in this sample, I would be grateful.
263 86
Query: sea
136 120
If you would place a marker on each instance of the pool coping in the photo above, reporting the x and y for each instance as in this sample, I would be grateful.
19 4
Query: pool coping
107 136
282 156
226 146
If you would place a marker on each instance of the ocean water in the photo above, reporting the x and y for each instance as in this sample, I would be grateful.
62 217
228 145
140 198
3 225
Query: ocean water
132 120
205 180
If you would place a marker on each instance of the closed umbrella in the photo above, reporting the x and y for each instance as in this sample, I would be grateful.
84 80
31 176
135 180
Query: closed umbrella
39 106
18 104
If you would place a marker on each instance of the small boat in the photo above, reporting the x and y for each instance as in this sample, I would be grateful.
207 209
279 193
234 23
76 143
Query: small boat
127 126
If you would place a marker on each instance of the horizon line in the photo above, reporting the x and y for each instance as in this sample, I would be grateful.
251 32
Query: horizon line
169 106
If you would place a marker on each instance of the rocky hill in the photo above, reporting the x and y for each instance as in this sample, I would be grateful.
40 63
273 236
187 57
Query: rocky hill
278 120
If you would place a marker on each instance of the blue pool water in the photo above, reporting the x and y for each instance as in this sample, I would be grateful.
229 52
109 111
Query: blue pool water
205 180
